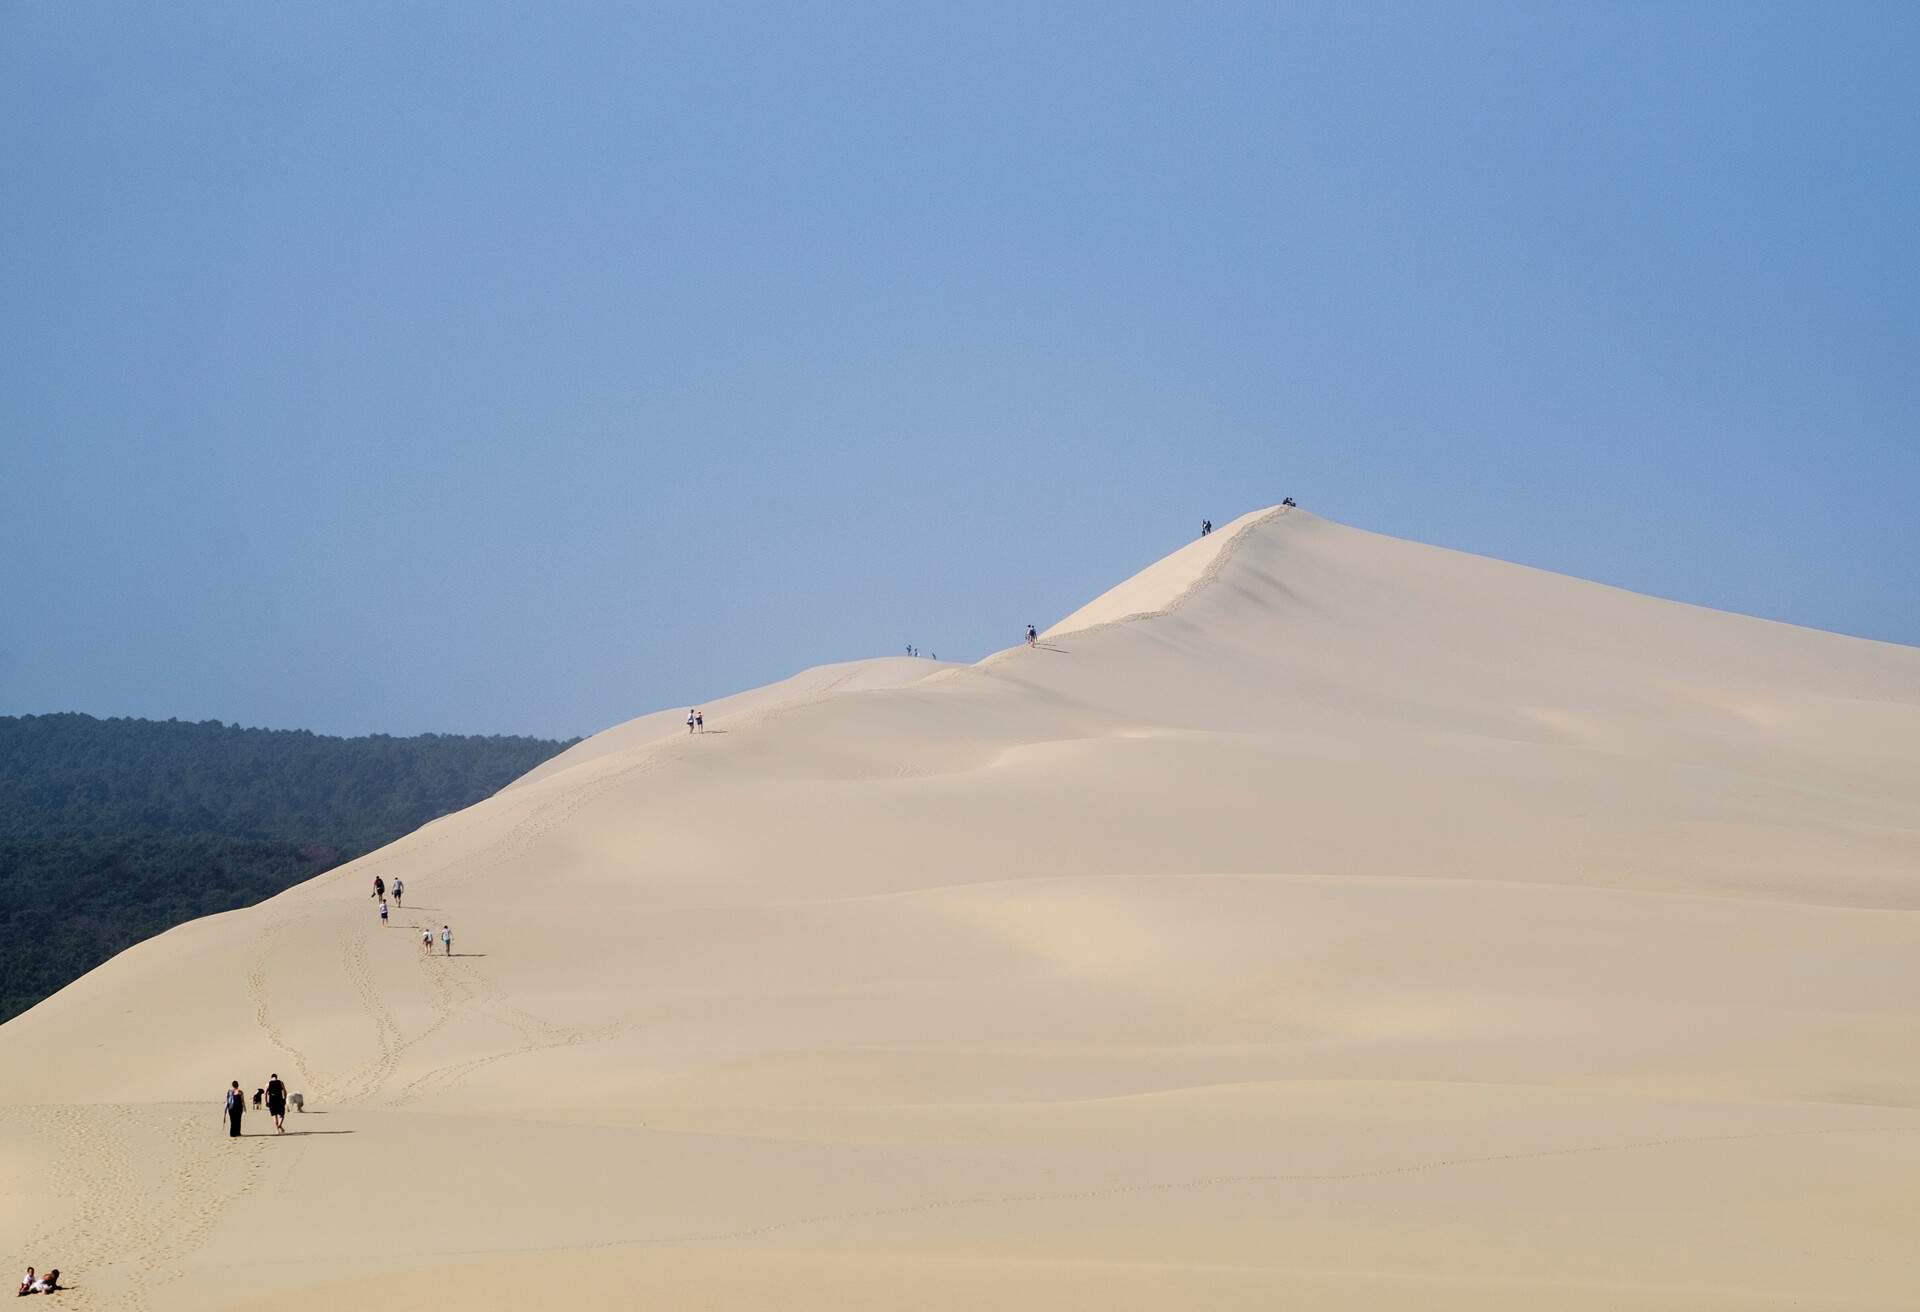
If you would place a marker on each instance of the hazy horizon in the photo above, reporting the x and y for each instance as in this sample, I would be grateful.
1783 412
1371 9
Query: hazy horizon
372 371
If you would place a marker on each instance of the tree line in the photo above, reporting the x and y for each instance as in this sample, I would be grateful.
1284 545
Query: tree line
114 830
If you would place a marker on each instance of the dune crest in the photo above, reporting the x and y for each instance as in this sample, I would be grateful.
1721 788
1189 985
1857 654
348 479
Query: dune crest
1315 918
1163 585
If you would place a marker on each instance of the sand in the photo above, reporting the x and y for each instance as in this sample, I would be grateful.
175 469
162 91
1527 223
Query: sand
1316 920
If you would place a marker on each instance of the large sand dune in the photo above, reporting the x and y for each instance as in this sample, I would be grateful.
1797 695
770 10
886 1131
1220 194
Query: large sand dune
1316 920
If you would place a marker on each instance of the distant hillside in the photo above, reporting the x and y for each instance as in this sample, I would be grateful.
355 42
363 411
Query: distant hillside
114 830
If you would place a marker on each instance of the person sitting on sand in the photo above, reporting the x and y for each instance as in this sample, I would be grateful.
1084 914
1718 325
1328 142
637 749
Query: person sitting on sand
47 1283
26 1285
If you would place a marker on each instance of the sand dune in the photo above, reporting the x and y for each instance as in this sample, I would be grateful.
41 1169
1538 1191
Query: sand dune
1316 919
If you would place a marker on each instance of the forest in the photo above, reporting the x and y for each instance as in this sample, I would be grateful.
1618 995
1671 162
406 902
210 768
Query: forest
112 830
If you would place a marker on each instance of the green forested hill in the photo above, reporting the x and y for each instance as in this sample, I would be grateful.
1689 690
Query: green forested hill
113 830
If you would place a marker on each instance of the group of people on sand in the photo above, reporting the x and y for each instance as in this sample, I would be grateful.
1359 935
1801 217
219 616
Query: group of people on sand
273 1093
380 895
696 721
399 902
46 1284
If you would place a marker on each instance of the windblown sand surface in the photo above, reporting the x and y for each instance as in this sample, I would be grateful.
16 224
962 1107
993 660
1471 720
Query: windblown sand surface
1318 920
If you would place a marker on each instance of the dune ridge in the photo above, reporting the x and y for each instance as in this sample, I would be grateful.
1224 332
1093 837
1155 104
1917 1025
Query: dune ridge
1314 917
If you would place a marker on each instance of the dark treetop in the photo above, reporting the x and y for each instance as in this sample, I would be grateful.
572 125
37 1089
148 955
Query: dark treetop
114 830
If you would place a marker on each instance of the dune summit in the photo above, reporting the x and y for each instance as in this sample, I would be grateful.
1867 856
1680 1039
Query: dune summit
1316 919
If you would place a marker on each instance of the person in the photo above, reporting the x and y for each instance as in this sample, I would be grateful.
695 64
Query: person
277 1103
236 1108
1286 501
1206 527
379 886
689 719
700 721
383 913
47 1283
1033 636
446 938
399 889
26 1285
426 941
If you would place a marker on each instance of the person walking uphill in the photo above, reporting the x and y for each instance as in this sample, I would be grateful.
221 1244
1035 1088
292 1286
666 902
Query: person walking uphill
277 1103
446 937
236 1108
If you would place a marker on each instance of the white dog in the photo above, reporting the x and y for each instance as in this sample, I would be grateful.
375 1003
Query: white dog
299 1101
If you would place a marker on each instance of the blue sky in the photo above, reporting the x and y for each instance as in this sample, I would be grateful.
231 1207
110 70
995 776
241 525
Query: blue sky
484 368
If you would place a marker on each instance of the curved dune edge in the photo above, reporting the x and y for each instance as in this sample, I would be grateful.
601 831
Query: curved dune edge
808 685
1395 927
1167 584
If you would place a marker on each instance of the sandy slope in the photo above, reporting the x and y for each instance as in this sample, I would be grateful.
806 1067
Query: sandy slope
1359 925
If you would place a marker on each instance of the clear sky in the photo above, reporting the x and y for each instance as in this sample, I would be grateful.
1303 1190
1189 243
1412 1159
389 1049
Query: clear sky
476 367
